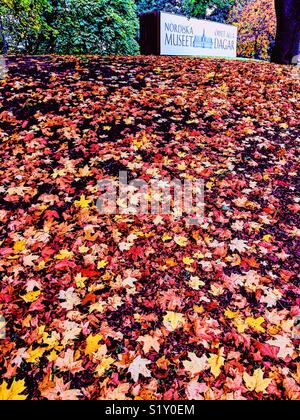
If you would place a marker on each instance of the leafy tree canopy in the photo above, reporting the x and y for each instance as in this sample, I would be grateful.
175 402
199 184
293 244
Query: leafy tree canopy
70 26
96 27
172 6
21 21
256 22
205 8
214 9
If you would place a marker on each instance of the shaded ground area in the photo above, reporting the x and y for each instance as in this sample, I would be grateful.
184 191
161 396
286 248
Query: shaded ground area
149 307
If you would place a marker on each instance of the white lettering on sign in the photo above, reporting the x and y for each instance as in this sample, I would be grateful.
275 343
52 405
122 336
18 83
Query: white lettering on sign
183 36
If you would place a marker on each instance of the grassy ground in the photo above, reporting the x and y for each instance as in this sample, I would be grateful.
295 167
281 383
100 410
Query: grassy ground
148 307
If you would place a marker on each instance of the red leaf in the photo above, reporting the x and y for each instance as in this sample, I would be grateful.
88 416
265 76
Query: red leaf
267 350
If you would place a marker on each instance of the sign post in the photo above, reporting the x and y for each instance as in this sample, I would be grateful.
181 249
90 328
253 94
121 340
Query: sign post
169 34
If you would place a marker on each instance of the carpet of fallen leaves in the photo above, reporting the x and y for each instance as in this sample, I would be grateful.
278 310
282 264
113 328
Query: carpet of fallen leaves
127 307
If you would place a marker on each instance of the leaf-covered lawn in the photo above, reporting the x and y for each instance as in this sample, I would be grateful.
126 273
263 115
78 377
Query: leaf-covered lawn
115 307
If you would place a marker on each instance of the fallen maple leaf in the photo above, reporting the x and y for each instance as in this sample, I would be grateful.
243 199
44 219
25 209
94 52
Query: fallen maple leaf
64 254
216 362
195 283
80 281
61 391
70 297
268 350
19 246
284 344
31 296
102 264
195 390
188 260
173 320
149 342
139 367
181 241
231 314
238 245
255 323
68 364
117 394
163 363
256 382
292 389
105 364
14 392
34 356
83 202
196 364
92 343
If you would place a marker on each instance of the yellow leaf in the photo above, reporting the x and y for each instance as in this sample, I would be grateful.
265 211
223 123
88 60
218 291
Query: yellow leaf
102 264
104 365
210 75
267 238
166 237
108 276
85 171
284 125
216 362
181 154
92 344
80 280
249 131
83 249
195 283
52 356
256 382
83 202
272 330
216 290
199 255
41 265
231 315
181 240
19 246
173 320
98 307
27 321
35 355
51 340
210 185
211 112
12 393
64 254
137 143
129 121
188 260
42 333
31 296
255 323
240 325
182 166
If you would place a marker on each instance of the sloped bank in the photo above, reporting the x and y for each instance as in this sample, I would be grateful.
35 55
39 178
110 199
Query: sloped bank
149 307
